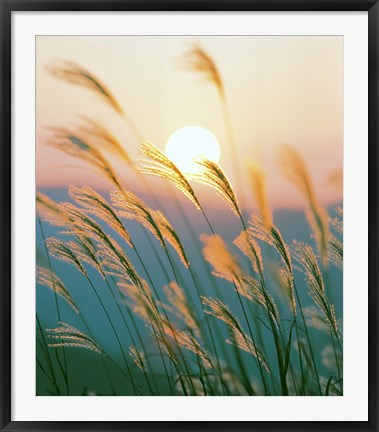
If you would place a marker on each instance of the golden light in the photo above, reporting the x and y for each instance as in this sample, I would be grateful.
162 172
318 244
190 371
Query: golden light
190 143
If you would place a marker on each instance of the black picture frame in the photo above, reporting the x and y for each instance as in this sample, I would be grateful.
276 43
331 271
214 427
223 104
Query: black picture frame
6 9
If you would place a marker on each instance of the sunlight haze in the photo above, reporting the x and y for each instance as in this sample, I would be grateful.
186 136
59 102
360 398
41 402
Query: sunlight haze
279 91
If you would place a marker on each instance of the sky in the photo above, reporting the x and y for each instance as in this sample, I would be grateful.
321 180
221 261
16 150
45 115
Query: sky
279 90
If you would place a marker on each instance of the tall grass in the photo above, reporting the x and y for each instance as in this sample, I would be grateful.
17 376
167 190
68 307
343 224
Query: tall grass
246 327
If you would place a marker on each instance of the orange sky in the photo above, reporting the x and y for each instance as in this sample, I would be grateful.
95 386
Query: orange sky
280 90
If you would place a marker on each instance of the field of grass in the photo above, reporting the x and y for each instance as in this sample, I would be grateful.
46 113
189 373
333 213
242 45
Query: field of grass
187 311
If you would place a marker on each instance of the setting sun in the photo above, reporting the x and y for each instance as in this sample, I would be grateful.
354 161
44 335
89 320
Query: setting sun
190 143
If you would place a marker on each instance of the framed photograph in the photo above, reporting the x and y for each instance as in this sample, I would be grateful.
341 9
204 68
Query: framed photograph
189 215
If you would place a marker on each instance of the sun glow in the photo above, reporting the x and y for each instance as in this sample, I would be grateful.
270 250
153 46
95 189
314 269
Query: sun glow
190 143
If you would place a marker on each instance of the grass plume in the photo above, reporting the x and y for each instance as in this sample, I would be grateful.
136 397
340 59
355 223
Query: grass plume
258 182
104 139
199 61
305 256
73 73
211 174
73 144
138 358
96 205
68 336
294 168
156 163
46 277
